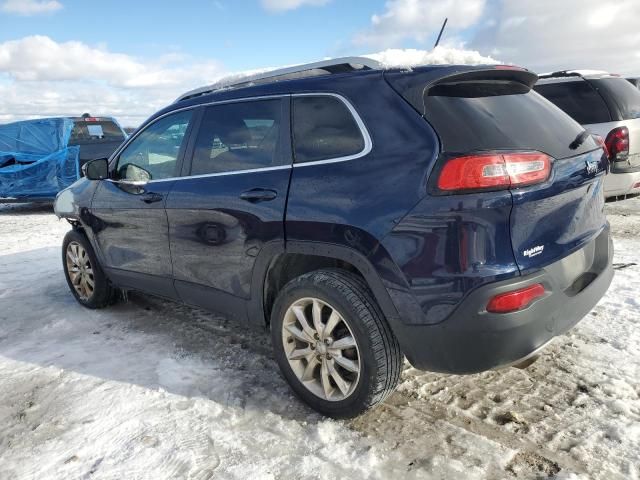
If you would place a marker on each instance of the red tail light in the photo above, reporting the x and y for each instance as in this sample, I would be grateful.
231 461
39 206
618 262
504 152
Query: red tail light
497 170
515 300
617 143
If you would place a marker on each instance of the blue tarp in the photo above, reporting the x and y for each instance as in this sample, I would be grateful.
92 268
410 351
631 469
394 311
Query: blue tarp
35 160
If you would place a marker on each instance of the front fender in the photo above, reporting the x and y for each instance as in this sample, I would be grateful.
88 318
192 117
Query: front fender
74 204
74 201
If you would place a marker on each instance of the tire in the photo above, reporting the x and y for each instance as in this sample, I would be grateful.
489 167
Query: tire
101 293
311 368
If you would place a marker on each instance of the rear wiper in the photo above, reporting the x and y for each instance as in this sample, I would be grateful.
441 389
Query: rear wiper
579 140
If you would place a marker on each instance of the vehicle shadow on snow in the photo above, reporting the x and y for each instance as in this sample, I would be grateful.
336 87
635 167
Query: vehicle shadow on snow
146 341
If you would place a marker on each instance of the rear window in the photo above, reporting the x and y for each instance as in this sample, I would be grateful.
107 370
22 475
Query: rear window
621 94
323 128
577 98
95 132
475 115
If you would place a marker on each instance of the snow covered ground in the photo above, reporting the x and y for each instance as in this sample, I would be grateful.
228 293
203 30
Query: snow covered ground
150 389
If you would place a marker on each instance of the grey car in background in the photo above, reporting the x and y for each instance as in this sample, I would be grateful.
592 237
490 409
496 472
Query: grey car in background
606 105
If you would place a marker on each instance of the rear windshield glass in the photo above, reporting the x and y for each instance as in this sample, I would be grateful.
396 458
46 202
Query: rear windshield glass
622 94
95 132
577 98
473 116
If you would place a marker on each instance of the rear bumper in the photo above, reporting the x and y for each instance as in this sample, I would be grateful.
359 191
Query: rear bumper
616 184
473 340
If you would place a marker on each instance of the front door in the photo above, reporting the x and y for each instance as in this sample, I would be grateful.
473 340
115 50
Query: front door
231 202
130 221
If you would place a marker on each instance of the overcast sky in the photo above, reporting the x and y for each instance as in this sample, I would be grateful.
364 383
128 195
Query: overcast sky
65 57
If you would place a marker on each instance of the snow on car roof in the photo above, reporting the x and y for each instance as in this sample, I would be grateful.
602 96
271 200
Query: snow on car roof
386 59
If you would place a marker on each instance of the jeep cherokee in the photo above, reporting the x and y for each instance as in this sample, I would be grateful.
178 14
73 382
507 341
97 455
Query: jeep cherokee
447 214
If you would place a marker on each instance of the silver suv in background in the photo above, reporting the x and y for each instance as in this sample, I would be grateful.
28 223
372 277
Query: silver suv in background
606 105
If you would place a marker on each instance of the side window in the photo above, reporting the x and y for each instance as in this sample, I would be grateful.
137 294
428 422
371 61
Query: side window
323 128
238 136
156 149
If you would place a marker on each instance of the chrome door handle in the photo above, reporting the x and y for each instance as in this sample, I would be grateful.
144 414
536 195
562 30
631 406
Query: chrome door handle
258 195
152 197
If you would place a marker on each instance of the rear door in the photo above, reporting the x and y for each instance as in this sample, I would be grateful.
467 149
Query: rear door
230 202
484 112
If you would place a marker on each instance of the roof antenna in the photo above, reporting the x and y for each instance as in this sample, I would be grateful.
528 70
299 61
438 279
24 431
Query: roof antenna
444 24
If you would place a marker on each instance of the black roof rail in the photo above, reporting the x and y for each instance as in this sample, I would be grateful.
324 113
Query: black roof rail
577 73
325 67
560 73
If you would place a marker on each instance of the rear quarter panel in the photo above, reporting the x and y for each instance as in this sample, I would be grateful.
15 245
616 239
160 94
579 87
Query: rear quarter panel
447 246
551 220
356 203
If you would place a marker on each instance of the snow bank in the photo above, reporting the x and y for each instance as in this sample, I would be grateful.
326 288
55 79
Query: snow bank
151 390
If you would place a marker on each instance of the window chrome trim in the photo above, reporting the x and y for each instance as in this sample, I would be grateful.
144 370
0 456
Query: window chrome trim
222 174
368 144
128 183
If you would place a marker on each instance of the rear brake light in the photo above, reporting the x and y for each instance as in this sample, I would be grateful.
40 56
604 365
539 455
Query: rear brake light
617 143
515 300
504 170
90 119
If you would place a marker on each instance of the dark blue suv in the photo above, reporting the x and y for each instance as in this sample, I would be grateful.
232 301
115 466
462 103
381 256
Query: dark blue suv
449 214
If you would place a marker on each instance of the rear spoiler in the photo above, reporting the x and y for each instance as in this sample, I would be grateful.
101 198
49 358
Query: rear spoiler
413 85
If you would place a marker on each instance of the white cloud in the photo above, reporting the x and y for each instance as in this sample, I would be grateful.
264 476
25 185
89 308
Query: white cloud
39 58
419 20
25 100
283 5
550 35
42 77
30 7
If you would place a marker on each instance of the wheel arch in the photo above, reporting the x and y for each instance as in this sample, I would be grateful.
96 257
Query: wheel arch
276 266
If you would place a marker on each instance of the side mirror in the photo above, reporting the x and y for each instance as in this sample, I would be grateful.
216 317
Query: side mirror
97 169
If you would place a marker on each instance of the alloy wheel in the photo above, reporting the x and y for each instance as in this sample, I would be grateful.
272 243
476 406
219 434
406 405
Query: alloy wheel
80 270
321 349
